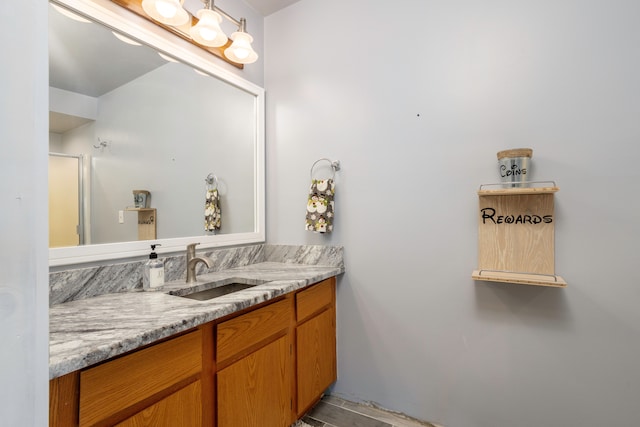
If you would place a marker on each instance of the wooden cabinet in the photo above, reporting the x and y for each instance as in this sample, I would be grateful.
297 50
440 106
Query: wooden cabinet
263 366
256 390
126 382
240 335
63 400
180 409
140 388
315 343
254 362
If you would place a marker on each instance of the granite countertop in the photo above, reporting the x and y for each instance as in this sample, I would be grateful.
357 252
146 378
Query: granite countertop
89 331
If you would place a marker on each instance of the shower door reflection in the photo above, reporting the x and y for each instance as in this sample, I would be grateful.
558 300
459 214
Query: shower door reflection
66 188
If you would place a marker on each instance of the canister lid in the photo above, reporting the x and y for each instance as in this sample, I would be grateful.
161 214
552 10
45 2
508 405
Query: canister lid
515 152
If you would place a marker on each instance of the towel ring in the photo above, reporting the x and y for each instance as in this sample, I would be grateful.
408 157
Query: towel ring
212 180
335 165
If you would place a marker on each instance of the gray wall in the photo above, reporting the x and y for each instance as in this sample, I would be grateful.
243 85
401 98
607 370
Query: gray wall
23 220
415 98
23 195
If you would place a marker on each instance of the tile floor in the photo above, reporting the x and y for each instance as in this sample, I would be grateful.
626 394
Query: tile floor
335 412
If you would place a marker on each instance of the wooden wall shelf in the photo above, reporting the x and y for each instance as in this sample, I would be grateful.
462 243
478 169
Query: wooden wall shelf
147 222
519 278
515 191
516 236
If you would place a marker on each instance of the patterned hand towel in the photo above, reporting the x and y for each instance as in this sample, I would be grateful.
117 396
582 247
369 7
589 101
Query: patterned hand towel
212 210
320 206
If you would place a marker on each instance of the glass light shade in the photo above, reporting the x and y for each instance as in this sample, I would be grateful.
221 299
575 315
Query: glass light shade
167 57
168 12
126 40
207 31
240 50
69 14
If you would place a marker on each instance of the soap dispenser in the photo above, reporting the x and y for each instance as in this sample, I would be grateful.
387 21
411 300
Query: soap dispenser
153 271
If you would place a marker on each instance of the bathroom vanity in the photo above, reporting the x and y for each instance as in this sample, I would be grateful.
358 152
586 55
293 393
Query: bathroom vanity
260 356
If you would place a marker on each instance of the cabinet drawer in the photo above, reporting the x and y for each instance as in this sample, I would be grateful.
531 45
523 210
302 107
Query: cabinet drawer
313 299
116 385
241 333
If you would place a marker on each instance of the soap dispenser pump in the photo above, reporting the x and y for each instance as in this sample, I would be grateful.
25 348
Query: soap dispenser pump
153 271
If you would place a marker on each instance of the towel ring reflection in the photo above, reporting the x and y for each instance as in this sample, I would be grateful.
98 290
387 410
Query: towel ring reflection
212 181
335 166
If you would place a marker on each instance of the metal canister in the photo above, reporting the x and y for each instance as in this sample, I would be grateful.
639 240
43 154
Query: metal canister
141 199
514 166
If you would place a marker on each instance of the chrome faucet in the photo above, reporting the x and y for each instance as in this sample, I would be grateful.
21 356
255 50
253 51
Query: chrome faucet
192 261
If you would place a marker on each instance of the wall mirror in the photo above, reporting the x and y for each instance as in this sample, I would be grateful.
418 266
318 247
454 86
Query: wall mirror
134 108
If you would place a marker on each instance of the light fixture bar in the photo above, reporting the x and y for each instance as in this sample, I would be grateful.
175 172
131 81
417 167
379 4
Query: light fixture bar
240 50
237 56
226 15
210 4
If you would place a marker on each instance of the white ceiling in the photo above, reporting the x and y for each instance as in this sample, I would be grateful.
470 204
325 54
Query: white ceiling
267 7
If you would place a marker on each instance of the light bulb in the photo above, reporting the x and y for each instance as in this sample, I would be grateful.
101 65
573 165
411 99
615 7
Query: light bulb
207 34
240 50
207 31
166 9
168 12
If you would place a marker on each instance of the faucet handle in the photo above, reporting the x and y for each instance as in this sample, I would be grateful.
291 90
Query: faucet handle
191 249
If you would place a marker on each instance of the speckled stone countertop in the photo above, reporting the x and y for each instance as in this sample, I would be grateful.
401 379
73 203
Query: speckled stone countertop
88 331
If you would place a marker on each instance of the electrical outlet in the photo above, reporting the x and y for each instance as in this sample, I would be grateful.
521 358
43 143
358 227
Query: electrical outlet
121 217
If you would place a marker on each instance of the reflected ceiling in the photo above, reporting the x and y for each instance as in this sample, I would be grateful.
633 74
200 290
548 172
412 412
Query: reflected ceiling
94 75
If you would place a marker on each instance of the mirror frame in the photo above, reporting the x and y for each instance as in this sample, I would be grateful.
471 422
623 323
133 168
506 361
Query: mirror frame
118 18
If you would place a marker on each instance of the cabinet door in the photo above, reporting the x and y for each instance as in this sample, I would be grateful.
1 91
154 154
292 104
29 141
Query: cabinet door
256 390
181 409
316 358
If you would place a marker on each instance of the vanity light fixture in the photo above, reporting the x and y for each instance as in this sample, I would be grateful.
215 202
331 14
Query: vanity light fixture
240 50
206 31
